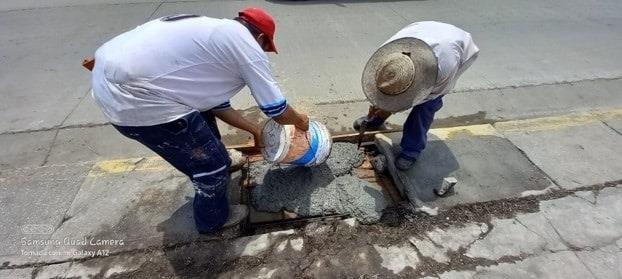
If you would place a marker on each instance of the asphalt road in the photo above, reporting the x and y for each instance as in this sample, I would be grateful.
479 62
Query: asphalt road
537 58
323 46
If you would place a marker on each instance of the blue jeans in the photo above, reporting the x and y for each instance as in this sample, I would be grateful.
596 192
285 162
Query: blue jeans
192 145
416 127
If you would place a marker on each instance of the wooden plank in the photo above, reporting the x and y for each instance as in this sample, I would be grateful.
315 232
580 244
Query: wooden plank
387 184
367 137
246 148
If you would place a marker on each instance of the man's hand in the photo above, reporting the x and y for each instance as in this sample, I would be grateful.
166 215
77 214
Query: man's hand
235 119
258 137
304 124
377 112
292 117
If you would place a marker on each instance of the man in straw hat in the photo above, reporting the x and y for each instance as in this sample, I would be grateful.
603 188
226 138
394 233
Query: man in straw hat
164 82
414 69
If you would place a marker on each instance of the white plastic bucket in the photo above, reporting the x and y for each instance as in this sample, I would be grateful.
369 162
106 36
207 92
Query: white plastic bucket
286 144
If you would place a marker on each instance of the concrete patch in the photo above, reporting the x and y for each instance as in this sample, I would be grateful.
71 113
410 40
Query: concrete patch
255 245
52 271
487 166
93 144
438 242
509 237
586 195
281 247
397 258
126 211
573 154
16 273
24 149
457 275
34 202
608 201
106 267
605 262
265 273
350 222
582 224
544 191
551 265
297 244
322 190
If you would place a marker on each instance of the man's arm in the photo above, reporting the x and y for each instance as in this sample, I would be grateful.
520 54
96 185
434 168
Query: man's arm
235 119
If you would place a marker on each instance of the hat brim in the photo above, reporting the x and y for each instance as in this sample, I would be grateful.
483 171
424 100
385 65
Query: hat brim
272 46
426 71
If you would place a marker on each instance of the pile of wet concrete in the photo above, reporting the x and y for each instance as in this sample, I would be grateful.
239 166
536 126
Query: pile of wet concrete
327 189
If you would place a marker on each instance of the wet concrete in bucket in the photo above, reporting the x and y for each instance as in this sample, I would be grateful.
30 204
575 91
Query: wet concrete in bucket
329 188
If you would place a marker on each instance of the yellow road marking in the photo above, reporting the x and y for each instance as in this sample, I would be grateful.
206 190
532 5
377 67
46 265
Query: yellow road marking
473 130
608 114
110 167
557 122
545 123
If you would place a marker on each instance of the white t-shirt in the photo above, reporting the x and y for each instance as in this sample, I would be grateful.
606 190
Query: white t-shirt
172 66
454 48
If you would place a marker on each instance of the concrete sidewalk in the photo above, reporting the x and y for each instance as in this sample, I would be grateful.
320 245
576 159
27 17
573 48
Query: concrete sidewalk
577 235
132 217
512 158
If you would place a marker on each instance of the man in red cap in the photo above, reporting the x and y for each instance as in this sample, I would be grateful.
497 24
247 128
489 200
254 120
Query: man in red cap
164 83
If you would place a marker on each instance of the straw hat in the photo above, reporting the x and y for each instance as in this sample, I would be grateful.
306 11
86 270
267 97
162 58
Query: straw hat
400 74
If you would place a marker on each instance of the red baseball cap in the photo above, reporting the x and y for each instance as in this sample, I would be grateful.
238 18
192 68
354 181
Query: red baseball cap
261 20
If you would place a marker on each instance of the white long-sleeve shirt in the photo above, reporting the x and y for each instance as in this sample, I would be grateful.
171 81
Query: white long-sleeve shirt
453 47
172 66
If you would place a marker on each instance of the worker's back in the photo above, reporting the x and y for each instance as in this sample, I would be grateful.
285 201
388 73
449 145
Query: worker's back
168 67
452 46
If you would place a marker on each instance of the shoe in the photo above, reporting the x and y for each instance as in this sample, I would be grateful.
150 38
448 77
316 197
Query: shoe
237 214
233 226
237 159
404 162
374 124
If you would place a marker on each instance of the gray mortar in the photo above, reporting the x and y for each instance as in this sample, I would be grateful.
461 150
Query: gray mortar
343 158
329 188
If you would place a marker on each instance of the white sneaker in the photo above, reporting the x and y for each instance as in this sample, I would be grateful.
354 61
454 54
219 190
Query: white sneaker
237 159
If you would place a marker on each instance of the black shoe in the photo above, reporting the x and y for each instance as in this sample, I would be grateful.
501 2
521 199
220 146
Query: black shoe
375 124
404 162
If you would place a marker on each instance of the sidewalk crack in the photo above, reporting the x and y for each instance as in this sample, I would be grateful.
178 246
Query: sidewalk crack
561 238
549 177
156 9
529 229
585 265
398 14
608 126
58 127
586 200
